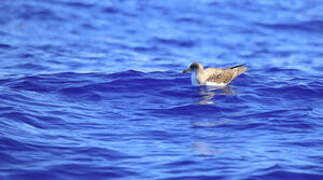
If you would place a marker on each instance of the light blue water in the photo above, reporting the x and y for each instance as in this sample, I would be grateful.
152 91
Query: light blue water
94 90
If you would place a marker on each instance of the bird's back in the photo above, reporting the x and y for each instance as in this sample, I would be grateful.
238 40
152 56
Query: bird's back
223 76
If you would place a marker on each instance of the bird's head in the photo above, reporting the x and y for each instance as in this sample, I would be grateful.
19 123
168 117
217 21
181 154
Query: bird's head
194 67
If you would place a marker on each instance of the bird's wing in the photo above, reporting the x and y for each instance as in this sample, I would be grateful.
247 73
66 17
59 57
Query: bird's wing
238 66
217 75
238 70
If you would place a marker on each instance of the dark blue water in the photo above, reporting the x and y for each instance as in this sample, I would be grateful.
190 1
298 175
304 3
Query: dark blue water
92 90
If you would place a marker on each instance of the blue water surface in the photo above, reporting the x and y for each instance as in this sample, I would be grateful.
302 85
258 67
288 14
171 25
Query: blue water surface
93 89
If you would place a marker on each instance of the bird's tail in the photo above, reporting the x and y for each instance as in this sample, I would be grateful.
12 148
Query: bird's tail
237 66
239 69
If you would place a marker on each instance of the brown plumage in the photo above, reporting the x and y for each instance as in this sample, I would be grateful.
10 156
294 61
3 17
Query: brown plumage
214 76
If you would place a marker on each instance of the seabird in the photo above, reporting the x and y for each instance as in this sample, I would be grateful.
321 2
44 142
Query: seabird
214 76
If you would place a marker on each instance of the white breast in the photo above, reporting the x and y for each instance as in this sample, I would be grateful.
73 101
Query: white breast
193 79
208 83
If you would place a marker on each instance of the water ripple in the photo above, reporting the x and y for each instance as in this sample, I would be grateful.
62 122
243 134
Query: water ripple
94 90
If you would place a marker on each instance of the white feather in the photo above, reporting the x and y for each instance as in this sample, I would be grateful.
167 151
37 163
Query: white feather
208 83
193 79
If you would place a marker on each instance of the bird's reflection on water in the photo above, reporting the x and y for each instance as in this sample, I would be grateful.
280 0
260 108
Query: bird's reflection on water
208 93
202 124
206 149
210 141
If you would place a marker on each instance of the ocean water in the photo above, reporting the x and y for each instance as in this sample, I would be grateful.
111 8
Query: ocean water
93 90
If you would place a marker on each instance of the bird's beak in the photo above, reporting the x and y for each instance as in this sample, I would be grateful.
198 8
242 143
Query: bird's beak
187 70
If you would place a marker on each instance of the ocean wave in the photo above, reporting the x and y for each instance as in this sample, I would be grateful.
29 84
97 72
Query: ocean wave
71 101
93 89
